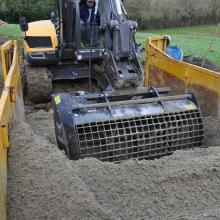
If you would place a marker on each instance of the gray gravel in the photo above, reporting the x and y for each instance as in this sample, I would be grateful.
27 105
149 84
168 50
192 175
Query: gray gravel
43 184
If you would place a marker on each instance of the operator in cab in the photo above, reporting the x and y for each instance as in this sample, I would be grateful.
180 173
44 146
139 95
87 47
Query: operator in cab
87 10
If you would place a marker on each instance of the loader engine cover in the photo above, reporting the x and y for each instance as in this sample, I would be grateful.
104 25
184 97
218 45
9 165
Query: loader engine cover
117 128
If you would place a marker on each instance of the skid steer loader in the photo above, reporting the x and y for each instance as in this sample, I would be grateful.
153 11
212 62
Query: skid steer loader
94 75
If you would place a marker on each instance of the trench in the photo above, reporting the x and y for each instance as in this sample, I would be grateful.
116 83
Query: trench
44 184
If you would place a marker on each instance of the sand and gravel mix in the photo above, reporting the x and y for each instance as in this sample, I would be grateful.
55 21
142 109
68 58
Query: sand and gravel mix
44 184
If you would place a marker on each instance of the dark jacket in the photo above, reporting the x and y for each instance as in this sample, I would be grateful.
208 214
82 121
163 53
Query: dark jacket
84 14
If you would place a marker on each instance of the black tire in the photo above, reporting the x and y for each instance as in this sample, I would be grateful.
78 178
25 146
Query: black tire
38 84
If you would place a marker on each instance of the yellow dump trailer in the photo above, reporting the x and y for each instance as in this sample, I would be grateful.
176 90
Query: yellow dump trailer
11 95
181 77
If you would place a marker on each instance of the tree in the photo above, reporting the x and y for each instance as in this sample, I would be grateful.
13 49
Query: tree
32 9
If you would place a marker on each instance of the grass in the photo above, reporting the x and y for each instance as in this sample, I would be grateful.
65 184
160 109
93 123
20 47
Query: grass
203 30
10 31
193 40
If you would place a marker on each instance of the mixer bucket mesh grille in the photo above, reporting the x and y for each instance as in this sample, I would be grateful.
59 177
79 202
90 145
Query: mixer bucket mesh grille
146 137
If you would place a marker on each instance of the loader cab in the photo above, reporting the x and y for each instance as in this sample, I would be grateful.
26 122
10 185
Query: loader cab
90 29
88 48
86 33
75 35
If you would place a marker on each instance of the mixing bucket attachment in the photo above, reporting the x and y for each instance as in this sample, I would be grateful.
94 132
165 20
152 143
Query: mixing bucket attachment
132 126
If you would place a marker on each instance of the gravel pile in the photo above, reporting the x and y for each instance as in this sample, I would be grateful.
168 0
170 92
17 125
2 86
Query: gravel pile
44 184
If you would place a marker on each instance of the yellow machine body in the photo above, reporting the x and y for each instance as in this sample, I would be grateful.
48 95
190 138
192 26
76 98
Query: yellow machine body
40 43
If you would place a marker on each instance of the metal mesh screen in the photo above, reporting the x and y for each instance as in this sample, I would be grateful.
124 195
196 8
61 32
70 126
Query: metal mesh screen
141 138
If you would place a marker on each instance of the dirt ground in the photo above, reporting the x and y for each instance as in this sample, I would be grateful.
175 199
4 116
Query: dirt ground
44 184
201 62
2 22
